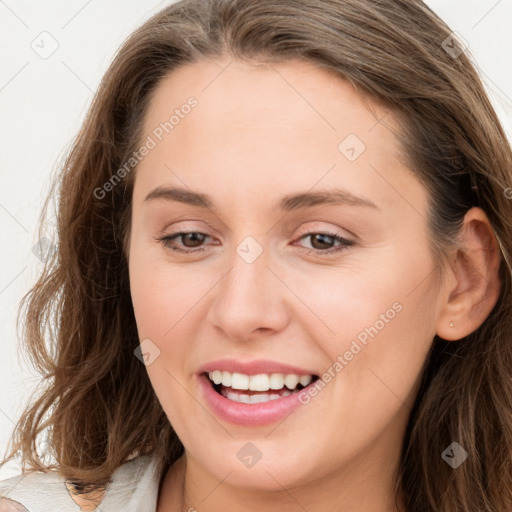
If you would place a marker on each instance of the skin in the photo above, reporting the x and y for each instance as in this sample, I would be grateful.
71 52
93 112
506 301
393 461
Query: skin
257 134
7 505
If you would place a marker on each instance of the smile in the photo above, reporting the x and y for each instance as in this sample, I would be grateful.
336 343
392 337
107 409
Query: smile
253 393
253 389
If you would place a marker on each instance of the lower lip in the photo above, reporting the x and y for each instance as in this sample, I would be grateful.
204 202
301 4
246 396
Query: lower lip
249 415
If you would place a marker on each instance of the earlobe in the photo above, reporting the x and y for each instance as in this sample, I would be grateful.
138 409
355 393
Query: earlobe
474 289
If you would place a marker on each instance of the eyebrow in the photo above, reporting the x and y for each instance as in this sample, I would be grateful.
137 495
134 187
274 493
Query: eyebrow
289 202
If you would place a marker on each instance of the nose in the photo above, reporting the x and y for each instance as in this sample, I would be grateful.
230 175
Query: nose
249 300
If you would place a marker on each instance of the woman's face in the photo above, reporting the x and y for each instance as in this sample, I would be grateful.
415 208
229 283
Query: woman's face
309 257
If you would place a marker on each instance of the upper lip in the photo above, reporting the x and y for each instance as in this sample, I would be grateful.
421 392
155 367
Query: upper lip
254 367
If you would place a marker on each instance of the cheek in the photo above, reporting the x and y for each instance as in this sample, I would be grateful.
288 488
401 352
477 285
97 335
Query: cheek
153 299
375 325
160 291
365 297
167 302
160 298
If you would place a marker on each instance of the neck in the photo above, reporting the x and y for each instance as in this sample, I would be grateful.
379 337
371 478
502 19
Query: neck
366 485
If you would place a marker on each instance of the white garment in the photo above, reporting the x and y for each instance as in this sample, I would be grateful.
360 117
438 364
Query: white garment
134 488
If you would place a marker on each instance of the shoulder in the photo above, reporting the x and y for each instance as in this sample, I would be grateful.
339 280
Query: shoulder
25 491
7 505
133 483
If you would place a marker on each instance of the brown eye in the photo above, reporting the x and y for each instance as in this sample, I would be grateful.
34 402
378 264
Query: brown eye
321 241
326 243
185 242
192 239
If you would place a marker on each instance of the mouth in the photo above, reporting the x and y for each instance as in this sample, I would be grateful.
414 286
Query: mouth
259 388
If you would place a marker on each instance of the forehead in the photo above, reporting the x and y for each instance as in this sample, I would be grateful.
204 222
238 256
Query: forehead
283 124
296 91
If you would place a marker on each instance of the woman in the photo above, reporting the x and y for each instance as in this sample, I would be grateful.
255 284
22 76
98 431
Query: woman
283 274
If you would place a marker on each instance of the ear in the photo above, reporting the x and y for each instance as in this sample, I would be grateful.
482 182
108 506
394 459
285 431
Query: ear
473 287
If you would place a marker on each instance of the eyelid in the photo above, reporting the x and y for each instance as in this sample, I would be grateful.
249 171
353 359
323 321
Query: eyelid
303 230
332 231
345 243
342 242
183 226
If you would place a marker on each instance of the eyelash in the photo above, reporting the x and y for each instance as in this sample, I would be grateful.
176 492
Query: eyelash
345 243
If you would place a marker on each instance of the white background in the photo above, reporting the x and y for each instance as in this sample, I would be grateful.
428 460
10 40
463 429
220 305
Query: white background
43 102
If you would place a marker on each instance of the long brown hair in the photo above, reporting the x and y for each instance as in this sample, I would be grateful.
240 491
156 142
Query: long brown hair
98 407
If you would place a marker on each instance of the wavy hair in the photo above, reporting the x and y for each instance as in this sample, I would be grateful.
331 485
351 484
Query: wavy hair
97 405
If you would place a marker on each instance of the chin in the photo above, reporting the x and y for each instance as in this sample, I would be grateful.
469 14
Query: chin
264 475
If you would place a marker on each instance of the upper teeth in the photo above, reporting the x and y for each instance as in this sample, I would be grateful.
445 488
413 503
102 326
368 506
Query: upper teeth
259 382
